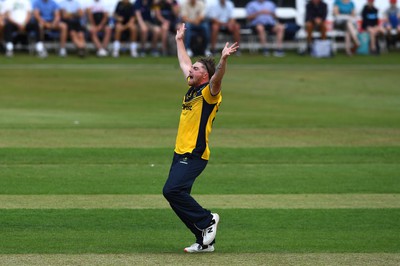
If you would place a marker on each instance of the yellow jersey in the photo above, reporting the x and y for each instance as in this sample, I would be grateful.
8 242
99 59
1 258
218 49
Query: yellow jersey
199 109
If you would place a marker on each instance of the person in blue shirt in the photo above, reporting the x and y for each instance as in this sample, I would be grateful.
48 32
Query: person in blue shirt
262 17
370 24
47 14
345 19
392 23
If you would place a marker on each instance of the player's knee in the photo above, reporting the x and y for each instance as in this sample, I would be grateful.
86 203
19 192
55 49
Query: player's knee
168 192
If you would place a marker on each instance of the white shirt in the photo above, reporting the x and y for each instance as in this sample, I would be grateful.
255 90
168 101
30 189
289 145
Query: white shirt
97 6
221 13
18 10
2 3
193 12
70 6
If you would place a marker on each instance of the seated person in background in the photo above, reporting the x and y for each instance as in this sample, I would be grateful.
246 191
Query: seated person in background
194 16
2 19
392 22
221 16
147 23
98 24
345 20
124 21
167 15
261 14
18 14
371 25
47 14
72 14
316 11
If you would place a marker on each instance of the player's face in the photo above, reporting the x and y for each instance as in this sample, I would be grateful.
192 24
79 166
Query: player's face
197 74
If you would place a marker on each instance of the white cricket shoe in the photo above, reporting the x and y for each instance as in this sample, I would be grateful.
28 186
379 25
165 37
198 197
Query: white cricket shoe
102 52
115 53
211 231
279 53
42 53
197 248
63 52
134 53
9 53
189 52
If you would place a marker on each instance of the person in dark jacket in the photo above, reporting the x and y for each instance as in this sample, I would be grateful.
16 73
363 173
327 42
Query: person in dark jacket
316 11
370 24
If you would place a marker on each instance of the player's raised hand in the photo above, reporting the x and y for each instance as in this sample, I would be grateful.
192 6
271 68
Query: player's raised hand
180 32
228 50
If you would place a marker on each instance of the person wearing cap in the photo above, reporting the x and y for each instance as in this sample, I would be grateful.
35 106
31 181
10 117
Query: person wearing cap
371 25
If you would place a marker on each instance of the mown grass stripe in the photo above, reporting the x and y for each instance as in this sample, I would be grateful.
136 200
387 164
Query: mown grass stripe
256 155
280 201
168 65
124 231
288 259
80 136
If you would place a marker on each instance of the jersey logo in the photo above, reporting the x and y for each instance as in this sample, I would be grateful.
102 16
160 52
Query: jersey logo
187 107
184 160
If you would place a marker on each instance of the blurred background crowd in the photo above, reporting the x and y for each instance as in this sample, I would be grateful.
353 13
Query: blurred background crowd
147 27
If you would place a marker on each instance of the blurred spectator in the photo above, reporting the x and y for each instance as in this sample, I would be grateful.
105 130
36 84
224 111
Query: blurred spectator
370 24
124 22
99 26
194 16
72 14
18 14
147 24
221 16
345 19
316 11
261 14
167 14
392 22
2 20
47 14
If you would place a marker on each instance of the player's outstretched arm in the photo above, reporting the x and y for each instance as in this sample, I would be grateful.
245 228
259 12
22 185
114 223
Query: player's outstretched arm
184 60
216 79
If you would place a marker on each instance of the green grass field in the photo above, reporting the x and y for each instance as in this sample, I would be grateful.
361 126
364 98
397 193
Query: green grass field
304 168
